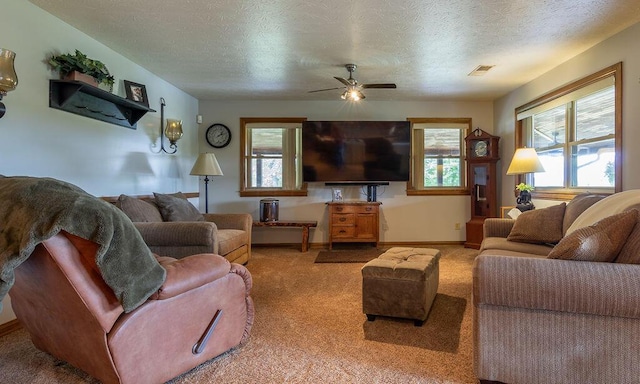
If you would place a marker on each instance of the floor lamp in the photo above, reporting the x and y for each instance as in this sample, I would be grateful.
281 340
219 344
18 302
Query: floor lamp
206 165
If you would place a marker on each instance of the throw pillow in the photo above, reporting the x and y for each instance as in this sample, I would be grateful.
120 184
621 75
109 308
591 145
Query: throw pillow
539 226
176 207
138 210
577 205
610 205
599 242
630 252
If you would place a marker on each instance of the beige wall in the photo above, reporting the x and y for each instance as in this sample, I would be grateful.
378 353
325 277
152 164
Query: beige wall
623 47
403 218
103 159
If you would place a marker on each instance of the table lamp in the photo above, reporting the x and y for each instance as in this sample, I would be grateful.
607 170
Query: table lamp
524 161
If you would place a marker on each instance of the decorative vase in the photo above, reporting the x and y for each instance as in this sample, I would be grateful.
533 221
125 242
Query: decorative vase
524 198
83 77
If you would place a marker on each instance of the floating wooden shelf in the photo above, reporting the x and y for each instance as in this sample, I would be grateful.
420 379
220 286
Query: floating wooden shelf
92 102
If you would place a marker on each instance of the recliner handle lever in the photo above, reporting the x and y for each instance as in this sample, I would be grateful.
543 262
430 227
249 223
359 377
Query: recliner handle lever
202 343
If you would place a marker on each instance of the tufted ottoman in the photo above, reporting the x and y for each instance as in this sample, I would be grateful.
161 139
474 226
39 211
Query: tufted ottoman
402 282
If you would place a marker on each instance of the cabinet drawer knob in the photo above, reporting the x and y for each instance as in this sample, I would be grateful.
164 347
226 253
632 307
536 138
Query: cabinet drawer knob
339 209
343 231
368 208
343 219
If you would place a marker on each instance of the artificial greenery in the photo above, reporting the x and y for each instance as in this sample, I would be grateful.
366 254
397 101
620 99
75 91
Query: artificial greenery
524 187
68 63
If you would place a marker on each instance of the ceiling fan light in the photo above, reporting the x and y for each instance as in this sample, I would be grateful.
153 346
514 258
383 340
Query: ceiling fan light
354 95
344 95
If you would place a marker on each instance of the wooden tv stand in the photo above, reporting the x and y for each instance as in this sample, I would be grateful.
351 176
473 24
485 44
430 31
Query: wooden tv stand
353 222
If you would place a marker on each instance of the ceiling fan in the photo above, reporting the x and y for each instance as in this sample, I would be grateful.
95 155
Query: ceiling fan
352 88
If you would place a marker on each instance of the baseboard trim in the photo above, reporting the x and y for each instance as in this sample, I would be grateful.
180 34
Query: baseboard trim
9 327
415 244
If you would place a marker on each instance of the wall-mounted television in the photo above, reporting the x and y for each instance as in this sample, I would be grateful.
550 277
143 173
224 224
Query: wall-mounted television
356 151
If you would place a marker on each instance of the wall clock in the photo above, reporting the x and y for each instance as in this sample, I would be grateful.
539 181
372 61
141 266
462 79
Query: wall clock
218 135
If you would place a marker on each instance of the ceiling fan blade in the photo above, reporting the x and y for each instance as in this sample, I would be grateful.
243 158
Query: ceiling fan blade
322 90
382 85
343 81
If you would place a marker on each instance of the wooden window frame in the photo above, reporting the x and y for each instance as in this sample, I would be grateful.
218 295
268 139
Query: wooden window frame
246 191
520 139
438 191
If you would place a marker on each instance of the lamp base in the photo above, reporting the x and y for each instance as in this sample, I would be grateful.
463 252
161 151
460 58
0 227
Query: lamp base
525 207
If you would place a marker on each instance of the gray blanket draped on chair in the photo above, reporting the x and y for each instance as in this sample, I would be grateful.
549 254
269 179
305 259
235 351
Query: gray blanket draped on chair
35 209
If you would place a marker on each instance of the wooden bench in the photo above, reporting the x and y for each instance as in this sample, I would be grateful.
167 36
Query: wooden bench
305 225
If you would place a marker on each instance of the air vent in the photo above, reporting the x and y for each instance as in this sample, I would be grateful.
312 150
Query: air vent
481 70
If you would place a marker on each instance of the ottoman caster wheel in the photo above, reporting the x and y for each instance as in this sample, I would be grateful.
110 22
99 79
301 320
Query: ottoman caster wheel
418 323
371 317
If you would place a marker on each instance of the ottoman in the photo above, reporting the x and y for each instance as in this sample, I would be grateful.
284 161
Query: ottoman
402 282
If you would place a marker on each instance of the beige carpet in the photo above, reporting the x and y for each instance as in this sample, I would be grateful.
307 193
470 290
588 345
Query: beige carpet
355 255
309 328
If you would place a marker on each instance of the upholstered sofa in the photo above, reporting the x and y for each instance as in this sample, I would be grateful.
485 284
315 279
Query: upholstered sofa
565 311
170 225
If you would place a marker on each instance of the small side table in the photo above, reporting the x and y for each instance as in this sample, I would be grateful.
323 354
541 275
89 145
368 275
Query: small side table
505 210
305 225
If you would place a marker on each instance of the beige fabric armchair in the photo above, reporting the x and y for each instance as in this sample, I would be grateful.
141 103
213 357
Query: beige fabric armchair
227 235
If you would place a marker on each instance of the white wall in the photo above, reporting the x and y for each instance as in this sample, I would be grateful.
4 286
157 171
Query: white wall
103 159
624 47
403 218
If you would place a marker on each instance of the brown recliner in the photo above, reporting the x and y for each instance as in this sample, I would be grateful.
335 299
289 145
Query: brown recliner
202 310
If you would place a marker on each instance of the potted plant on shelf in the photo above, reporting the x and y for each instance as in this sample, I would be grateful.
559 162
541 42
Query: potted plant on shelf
72 67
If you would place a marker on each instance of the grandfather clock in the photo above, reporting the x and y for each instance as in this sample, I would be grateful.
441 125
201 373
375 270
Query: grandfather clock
482 156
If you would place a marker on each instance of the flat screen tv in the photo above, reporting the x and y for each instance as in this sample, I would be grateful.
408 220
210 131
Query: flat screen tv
356 151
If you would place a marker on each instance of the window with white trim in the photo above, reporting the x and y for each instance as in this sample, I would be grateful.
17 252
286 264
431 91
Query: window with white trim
437 151
577 135
271 157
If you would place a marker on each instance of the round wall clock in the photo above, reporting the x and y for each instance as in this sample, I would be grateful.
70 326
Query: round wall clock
218 135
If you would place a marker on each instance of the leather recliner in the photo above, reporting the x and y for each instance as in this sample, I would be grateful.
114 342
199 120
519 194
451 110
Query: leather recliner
202 310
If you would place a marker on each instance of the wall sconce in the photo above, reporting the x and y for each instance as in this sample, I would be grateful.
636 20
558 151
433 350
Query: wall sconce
173 131
8 77
206 165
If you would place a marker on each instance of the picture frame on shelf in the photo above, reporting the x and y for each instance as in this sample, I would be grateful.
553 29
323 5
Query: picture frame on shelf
136 92
336 194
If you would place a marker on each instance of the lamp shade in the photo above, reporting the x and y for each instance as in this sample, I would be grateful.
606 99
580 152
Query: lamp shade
8 77
206 165
525 160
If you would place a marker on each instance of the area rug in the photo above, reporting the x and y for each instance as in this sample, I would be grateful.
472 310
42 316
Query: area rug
354 255
309 328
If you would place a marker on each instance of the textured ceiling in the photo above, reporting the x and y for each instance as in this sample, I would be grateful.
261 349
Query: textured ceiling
281 49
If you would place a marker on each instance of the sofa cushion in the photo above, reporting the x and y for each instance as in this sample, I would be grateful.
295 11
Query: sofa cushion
578 205
231 239
630 252
493 244
599 242
610 205
539 226
138 210
176 207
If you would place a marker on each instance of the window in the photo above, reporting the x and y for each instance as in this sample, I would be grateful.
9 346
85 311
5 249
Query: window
437 156
576 132
271 157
